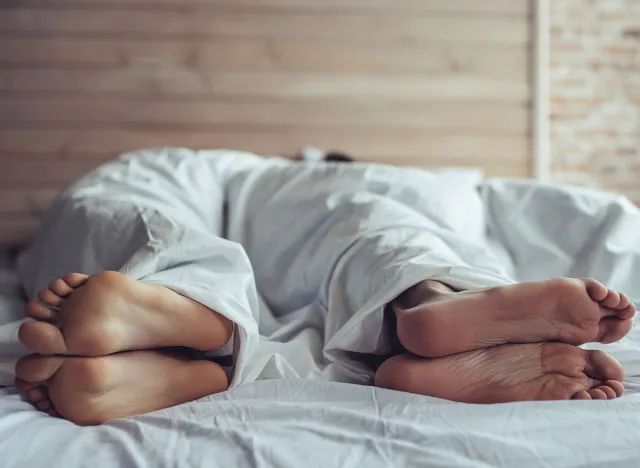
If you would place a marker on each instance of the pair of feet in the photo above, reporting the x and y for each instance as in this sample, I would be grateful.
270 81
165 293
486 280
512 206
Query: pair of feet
101 348
511 343
95 339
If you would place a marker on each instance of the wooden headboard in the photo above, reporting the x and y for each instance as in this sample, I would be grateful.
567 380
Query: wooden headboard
410 82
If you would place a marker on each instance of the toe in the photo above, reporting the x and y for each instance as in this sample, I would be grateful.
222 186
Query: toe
35 368
627 312
23 386
44 405
597 394
38 394
595 289
75 280
60 288
608 391
52 412
611 300
583 395
37 311
624 301
42 338
616 386
612 329
600 366
48 297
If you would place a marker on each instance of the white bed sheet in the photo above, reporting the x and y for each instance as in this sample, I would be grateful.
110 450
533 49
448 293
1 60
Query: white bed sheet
314 423
294 423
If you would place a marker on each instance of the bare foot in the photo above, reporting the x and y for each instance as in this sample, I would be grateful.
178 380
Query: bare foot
433 320
110 312
529 372
89 391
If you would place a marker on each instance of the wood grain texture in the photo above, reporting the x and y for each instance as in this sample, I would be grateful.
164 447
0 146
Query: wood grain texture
446 148
291 24
372 114
464 7
266 55
56 173
17 201
198 84
17 232
424 83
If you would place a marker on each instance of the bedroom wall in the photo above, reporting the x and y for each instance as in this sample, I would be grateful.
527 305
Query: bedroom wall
595 93
413 82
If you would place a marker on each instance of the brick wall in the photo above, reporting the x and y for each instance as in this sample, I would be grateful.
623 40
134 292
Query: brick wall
595 93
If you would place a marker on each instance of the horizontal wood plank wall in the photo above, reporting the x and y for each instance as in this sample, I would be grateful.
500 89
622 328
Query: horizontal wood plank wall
411 82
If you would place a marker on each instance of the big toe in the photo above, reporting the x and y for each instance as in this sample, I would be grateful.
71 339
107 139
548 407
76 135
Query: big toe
37 369
602 367
42 338
612 329
606 375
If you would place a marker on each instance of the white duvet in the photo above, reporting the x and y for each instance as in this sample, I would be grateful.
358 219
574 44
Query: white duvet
312 254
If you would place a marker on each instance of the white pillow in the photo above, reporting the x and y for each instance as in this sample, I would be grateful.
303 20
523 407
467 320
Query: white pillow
448 196
468 213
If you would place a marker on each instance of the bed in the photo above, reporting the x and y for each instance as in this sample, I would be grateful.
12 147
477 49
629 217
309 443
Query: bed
423 83
318 422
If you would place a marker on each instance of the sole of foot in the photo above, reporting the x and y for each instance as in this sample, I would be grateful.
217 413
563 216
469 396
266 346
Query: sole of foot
434 321
94 390
109 312
507 373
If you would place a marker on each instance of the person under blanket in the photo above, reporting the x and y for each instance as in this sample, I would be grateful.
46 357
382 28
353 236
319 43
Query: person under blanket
106 344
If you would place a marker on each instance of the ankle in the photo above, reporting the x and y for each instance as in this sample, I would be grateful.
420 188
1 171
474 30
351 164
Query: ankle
419 294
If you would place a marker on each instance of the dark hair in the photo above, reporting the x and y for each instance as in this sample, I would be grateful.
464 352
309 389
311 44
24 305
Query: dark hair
337 156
